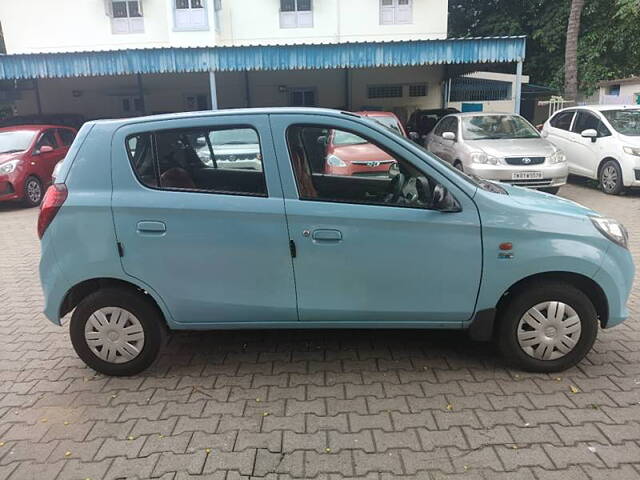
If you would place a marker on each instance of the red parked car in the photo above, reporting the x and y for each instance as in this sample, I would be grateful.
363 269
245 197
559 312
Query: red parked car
348 154
28 155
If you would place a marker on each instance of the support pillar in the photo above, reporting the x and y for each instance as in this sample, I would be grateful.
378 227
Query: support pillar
213 90
518 93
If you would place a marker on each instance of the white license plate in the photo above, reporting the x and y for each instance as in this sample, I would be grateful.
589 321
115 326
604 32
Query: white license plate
526 176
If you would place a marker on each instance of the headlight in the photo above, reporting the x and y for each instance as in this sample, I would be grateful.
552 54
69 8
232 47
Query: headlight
335 161
612 229
558 157
10 166
632 151
481 157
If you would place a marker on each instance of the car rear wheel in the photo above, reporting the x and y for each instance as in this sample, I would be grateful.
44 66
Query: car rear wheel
32 192
610 178
547 327
117 332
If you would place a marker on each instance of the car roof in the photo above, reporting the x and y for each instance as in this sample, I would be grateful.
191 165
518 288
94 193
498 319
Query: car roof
227 112
376 113
481 114
602 108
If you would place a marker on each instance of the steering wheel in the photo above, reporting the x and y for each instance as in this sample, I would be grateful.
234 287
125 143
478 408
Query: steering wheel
395 188
424 190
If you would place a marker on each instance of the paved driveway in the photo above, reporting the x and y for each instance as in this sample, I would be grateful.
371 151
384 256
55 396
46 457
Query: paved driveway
322 405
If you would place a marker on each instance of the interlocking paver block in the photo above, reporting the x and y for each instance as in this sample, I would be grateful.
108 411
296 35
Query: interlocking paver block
420 405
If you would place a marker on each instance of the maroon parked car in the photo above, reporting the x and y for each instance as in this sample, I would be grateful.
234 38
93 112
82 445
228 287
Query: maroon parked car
28 155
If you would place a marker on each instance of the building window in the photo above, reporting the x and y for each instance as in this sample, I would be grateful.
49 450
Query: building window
384 91
296 14
190 15
396 12
126 16
470 89
614 90
418 90
303 97
130 105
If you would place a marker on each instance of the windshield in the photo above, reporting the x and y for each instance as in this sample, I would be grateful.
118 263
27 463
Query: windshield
389 122
236 136
497 127
345 138
625 122
17 141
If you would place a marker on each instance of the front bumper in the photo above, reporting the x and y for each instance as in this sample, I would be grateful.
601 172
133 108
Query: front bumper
553 175
615 276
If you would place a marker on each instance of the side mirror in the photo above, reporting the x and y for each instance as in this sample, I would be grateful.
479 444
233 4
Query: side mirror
201 142
415 136
443 201
544 134
43 149
590 133
322 140
449 136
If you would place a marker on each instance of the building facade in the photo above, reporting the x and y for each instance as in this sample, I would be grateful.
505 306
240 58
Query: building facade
115 58
624 91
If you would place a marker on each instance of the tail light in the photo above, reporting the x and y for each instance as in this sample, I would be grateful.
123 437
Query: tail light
51 203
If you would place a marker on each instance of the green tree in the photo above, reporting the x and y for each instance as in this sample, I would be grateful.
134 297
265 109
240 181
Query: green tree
608 44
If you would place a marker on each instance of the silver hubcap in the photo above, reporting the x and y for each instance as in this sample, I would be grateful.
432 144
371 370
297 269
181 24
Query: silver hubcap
114 335
609 178
34 191
549 331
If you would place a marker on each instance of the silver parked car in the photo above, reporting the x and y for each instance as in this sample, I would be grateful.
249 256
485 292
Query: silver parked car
499 146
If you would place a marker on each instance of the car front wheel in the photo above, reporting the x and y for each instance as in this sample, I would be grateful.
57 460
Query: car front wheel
32 192
117 332
547 327
610 178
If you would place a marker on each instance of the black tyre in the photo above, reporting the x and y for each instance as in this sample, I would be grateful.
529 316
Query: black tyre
117 332
458 165
33 192
547 327
610 178
551 190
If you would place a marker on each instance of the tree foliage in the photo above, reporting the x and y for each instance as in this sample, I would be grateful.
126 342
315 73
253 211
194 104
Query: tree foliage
609 43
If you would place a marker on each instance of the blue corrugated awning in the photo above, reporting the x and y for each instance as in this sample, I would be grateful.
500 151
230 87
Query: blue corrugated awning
272 57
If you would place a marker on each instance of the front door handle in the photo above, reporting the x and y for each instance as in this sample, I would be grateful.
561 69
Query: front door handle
151 227
327 235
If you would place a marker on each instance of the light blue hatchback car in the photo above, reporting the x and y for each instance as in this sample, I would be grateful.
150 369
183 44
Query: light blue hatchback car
230 220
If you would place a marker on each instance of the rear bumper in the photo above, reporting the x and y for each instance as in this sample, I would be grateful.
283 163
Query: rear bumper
554 175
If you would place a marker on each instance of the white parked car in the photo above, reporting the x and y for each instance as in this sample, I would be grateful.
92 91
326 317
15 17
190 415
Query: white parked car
601 142
499 146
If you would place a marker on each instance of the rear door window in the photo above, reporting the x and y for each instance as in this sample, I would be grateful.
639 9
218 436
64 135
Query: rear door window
562 120
225 160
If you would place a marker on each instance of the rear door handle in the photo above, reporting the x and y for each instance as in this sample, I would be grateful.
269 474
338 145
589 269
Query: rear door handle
151 227
327 235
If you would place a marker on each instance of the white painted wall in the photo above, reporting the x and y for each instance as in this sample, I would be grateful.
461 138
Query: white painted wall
629 95
81 25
